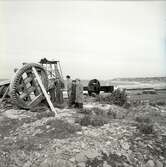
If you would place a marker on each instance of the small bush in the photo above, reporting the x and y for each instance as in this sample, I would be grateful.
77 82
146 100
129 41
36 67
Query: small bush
142 119
104 98
39 109
161 103
86 111
111 114
85 121
45 114
145 125
94 120
152 103
98 121
146 128
98 111
127 105
136 102
94 110
118 97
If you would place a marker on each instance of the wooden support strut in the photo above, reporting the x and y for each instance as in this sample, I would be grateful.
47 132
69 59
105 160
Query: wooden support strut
44 90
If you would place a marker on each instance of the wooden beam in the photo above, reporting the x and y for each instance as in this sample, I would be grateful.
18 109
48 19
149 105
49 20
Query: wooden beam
44 90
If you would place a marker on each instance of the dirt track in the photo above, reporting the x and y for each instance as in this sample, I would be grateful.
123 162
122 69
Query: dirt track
31 139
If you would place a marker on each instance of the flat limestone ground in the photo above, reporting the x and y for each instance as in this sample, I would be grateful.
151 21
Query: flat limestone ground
100 135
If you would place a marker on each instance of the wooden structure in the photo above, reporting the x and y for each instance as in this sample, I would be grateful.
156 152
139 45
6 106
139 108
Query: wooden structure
28 88
52 68
25 89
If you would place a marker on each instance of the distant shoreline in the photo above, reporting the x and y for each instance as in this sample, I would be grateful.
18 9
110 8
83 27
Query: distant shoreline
121 79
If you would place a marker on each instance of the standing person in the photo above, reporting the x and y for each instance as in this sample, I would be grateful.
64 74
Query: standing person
51 89
73 93
79 94
69 87
59 93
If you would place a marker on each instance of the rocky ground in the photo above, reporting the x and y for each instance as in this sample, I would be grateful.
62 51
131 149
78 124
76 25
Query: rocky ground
100 135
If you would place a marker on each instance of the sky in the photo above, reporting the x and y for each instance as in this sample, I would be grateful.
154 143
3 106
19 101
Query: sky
91 39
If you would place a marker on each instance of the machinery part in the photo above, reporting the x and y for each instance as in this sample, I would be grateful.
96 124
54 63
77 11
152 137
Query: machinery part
107 89
93 87
53 69
25 91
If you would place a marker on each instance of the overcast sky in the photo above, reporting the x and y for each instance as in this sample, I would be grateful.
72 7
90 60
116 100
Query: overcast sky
96 39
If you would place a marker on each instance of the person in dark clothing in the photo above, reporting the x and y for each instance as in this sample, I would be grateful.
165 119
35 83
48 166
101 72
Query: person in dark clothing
73 94
58 90
68 85
79 94
51 89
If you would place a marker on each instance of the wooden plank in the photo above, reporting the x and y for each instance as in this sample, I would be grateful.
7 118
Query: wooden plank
36 100
44 90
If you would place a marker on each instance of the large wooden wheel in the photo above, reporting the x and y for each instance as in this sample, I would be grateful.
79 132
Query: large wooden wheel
24 88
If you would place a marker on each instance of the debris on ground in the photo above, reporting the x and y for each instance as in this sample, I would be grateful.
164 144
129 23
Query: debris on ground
100 135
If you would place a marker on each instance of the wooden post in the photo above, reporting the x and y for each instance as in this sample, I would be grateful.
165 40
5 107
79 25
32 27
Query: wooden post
44 90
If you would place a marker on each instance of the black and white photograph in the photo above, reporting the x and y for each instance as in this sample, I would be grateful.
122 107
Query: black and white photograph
82 83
